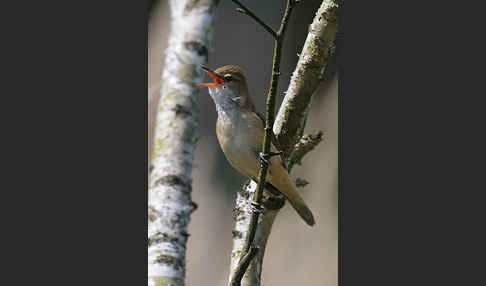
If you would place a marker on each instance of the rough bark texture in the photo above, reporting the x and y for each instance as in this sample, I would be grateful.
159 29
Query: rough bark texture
169 194
242 213
290 121
288 127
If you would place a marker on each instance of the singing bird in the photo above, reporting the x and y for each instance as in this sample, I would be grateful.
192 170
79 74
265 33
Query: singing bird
240 131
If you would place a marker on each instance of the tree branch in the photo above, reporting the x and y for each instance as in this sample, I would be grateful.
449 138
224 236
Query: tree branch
169 193
290 121
248 12
320 38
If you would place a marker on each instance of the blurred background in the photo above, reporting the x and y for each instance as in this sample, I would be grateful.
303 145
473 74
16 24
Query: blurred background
296 254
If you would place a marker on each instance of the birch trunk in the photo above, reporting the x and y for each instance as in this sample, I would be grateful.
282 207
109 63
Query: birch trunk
288 128
169 193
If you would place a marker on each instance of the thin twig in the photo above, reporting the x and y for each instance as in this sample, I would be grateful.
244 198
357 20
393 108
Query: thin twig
270 110
248 12
269 122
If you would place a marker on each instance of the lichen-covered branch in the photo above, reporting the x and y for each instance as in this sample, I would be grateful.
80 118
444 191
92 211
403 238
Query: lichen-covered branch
170 180
290 121
293 112
242 214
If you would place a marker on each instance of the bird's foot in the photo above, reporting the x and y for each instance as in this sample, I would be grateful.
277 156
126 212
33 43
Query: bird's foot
265 156
256 208
263 159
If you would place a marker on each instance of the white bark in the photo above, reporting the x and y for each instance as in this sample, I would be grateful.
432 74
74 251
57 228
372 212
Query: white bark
288 127
169 194
242 221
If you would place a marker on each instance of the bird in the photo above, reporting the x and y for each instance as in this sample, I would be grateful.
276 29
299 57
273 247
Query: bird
240 131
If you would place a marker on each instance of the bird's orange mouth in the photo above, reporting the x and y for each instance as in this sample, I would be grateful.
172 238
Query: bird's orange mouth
217 79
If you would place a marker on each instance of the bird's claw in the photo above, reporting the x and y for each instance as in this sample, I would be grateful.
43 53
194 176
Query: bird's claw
265 156
256 208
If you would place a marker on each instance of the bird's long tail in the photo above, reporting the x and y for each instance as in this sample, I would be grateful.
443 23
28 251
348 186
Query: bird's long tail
303 210
280 179
300 207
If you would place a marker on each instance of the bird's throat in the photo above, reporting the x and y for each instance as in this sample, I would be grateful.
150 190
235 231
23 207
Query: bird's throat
228 109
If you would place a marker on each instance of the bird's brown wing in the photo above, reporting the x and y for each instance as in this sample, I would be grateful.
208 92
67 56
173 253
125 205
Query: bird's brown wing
279 178
273 138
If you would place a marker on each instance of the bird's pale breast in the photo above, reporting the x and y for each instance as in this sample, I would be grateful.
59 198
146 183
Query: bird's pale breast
241 140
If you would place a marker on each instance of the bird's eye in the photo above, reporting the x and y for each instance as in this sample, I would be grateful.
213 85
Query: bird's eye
228 77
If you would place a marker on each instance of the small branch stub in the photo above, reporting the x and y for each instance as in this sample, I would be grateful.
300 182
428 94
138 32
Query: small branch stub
242 11
300 183
304 146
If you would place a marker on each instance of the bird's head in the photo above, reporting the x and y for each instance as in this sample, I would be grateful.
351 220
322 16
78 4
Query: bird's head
228 87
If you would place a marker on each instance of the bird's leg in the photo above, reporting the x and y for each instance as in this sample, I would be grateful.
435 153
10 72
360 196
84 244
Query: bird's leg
265 156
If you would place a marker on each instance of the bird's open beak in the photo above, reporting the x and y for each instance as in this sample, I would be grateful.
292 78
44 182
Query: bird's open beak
217 79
